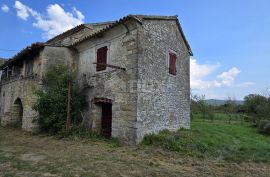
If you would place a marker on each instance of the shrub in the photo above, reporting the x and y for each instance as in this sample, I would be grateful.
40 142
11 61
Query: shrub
52 100
257 106
264 127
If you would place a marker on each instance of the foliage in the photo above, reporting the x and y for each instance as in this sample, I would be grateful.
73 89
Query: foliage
199 106
258 107
264 127
231 110
253 102
52 100
232 142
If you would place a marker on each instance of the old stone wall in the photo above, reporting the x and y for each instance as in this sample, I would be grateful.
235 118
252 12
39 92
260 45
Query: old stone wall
57 55
20 89
163 99
113 83
145 97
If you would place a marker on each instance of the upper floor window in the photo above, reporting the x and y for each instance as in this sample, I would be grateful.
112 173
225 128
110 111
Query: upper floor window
172 63
101 58
29 67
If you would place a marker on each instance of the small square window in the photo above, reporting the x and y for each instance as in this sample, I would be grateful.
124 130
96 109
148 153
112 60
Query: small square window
101 59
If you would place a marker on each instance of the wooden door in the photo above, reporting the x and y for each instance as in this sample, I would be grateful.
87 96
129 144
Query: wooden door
106 120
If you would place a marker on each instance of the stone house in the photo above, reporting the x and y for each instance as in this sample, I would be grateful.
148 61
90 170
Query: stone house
134 74
2 60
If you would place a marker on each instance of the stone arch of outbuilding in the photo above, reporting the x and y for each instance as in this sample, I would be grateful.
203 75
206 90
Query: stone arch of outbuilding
17 112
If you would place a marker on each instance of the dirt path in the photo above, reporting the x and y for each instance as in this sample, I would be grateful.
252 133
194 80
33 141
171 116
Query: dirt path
22 154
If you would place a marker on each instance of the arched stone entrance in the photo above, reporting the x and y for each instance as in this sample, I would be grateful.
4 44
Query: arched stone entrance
17 113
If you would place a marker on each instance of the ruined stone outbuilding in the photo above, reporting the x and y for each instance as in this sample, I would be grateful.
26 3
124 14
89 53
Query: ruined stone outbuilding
134 74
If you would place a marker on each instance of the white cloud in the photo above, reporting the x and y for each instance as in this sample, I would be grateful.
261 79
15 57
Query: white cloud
56 21
199 71
5 8
23 11
227 78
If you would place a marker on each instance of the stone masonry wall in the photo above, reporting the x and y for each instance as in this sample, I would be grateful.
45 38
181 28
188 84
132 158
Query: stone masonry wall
20 88
112 83
23 87
145 97
163 99
57 55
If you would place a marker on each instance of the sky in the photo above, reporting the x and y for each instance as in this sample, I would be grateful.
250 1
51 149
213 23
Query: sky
230 39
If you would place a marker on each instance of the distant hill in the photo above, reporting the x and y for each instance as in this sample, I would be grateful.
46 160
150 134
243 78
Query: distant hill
216 102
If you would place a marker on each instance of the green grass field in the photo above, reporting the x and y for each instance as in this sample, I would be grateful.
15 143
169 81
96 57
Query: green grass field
216 139
209 149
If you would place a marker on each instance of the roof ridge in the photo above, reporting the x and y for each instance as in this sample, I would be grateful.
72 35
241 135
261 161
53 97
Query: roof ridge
77 28
141 17
66 32
101 23
138 18
29 48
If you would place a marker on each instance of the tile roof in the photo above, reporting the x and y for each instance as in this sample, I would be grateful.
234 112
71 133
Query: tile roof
78 32
30 50
83 32
138 18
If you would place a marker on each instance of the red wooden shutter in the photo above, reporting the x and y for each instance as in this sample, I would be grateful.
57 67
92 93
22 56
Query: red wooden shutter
101 58
172 64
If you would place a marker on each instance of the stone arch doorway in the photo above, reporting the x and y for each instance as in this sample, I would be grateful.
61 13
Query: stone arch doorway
17 113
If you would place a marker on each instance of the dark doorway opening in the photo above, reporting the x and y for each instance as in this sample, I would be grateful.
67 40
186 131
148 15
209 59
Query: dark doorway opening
106 119
17 113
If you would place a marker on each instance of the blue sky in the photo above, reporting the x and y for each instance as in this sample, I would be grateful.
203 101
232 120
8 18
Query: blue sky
230 39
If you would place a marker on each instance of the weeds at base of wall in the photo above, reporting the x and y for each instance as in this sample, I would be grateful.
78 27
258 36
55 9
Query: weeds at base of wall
181 141
84 134
15 125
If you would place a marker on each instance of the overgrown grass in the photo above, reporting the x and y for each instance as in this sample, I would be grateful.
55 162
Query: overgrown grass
218 139
22 154
84 134
78 132
220 116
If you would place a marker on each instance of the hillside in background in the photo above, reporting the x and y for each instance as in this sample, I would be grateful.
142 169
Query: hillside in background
216 102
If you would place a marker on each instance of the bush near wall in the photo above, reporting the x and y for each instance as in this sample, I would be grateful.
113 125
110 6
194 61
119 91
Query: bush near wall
52 100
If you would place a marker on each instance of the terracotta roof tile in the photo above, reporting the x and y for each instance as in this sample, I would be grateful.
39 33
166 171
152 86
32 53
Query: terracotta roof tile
30 50
138 18
83 32
76 33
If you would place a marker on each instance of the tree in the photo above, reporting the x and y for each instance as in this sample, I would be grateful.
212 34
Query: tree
53 98
230 108
199 106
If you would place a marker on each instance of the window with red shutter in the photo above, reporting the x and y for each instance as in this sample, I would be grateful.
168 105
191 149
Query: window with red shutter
172 63
101 58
